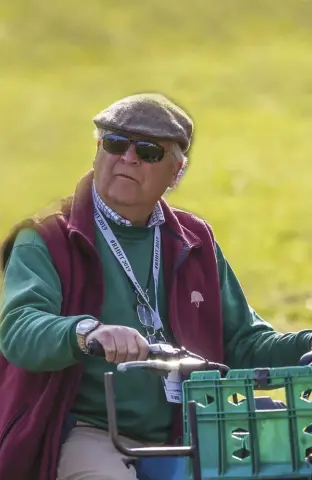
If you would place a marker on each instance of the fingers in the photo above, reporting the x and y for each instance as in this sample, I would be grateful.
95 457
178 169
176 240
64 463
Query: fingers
121 352
121 344
132 348
143 347
107 340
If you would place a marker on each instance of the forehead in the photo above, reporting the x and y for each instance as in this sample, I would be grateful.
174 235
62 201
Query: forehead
138 136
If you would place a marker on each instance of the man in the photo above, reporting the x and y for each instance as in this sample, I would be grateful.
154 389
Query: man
118 265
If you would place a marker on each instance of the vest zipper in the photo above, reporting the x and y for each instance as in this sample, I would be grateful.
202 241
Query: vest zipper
181 258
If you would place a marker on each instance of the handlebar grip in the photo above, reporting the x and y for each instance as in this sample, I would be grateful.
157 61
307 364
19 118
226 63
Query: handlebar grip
306 359
96 349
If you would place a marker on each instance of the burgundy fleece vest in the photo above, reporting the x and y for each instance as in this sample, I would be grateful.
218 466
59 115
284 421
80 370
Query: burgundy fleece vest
34 405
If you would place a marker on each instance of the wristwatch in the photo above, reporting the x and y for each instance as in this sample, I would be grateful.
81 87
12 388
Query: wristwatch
82 329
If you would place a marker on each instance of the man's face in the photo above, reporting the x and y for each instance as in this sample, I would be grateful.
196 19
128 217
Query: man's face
125 179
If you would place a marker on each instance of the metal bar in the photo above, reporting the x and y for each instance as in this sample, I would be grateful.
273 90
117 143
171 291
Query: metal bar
191 405
140 451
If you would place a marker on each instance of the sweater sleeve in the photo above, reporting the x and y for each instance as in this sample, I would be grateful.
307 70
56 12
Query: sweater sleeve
249 340
33 334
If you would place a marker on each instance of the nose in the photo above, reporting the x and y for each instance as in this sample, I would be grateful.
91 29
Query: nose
130 156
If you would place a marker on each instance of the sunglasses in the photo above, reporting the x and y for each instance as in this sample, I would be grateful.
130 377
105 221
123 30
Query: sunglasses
147 151
146 318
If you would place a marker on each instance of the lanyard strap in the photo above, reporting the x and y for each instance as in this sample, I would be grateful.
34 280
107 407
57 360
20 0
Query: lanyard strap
117 250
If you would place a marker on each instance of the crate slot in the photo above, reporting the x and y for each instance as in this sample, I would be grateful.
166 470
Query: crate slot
241 454
209 399
240 433
236 399
205 400
308 429
308 452
306 396
267 403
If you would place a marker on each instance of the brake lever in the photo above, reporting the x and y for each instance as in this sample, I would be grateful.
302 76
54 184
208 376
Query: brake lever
159 351
159 367
163 367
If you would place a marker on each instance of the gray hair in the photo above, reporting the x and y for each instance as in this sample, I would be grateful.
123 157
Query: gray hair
176 151
180 157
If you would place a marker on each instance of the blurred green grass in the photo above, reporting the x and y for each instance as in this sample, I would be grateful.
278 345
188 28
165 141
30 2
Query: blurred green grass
242 69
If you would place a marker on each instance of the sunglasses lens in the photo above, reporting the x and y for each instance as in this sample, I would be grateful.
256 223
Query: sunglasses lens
149 152
115 144
145 315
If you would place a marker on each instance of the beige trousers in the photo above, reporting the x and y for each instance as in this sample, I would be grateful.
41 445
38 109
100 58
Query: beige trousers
88 454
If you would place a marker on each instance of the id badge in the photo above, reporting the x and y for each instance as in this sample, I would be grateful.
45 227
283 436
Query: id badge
173 387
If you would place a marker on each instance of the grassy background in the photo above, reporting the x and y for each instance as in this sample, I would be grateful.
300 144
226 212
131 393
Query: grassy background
242 68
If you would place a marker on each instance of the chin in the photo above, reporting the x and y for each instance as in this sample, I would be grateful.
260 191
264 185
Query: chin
126 200
124 196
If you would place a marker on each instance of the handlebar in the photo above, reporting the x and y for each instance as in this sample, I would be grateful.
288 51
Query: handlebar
95 349
164 358
191 451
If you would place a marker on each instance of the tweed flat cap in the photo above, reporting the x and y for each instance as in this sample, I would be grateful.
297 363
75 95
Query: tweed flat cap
148 114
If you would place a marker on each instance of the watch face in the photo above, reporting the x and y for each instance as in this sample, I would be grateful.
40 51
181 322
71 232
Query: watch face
85 325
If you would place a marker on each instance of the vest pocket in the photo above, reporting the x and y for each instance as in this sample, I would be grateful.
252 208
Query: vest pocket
12 423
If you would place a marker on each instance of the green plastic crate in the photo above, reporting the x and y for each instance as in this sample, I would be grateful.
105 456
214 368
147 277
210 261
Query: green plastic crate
237 441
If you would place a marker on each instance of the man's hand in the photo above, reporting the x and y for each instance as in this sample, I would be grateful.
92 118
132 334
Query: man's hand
121 344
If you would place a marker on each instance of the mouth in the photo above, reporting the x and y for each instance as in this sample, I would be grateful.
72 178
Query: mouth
128 177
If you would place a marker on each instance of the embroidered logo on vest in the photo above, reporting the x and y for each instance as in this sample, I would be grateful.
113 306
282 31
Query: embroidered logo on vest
196 297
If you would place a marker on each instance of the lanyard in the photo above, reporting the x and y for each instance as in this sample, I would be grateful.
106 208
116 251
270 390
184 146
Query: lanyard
117 250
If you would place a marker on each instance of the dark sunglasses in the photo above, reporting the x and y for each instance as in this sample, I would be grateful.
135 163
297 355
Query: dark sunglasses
146 151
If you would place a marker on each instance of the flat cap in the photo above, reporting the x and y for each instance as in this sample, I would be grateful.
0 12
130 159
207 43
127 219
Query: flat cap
148 114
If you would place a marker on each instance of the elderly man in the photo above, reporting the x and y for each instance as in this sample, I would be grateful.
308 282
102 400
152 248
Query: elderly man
119 265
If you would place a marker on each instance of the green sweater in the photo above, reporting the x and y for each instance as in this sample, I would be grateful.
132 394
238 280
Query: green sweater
34 336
